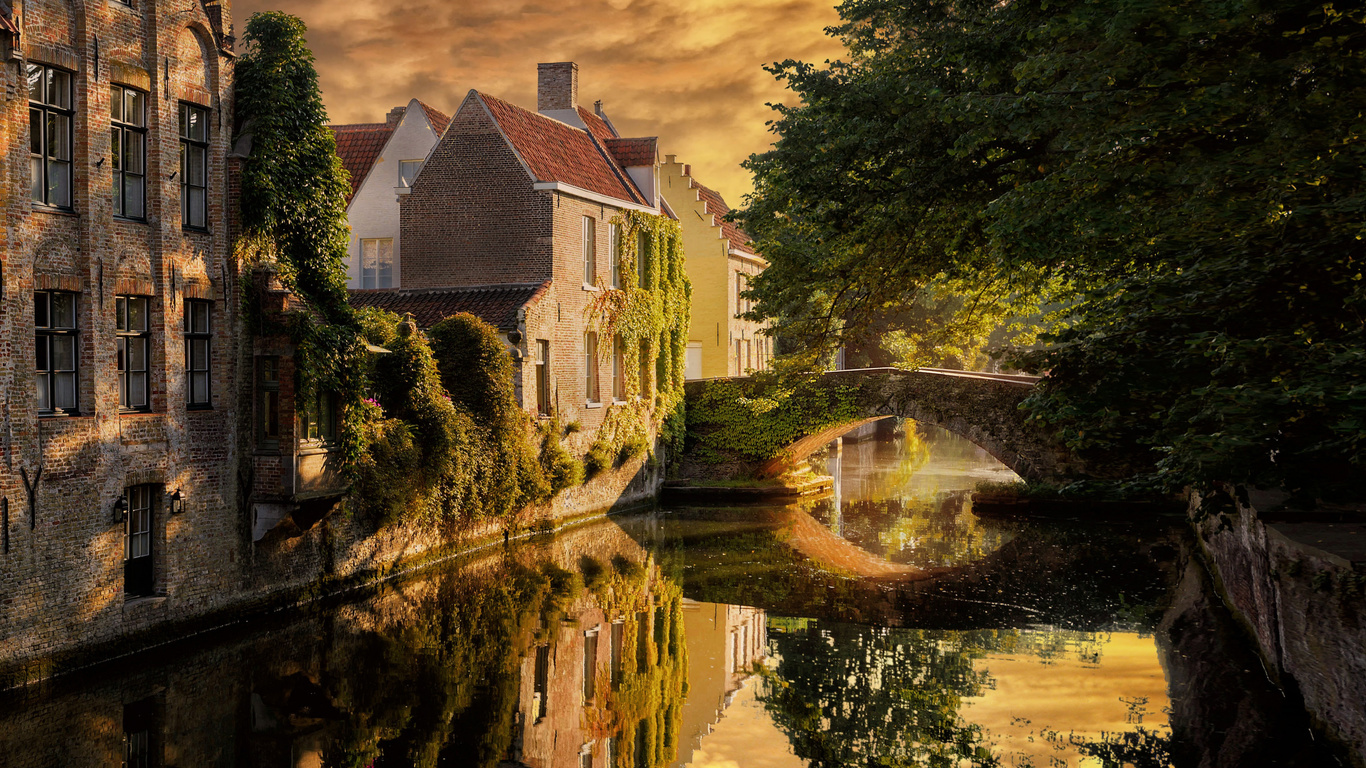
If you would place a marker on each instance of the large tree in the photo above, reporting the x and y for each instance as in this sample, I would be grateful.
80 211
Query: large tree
1181 181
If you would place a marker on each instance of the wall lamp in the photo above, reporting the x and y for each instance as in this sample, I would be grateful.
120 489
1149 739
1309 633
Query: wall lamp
177 502
120 510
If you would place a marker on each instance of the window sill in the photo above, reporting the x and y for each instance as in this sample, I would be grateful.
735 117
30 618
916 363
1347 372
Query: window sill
194 230
129 220
593 288
51 210
591 404
136 412
307 448
134 601
199 407
61 414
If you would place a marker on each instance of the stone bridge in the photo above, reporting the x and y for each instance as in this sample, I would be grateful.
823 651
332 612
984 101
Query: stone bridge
981 407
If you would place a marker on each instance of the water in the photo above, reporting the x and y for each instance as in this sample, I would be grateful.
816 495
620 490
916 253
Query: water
722 637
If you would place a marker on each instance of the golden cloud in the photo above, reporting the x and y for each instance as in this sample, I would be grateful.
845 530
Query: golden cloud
689 72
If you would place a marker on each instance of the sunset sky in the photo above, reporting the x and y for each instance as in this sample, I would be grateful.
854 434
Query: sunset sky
690 72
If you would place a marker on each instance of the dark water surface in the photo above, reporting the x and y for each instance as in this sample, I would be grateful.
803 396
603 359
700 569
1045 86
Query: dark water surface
724 637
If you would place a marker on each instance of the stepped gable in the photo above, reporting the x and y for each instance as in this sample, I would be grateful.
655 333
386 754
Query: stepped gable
556 152
358 146
438 119
634 152
496 305
718 208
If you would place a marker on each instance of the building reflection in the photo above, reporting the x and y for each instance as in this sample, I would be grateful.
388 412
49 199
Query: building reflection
726 644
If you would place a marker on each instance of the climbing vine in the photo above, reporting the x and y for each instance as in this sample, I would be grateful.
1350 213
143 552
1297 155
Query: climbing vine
646 318
756 419
294 214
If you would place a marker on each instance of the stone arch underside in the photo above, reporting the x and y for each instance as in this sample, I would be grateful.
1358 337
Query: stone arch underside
985 411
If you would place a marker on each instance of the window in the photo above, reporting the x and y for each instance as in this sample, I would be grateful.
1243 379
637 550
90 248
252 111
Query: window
590 665
642 256
543 377
318 419
407 172
739 357
590 366
618 370
644 368
618 632
590 251
50 143
141 734
614 252
739 291
58 359
138 569
541 681
268 402
586 756
134 347
377 263
197 353
194 166
128 147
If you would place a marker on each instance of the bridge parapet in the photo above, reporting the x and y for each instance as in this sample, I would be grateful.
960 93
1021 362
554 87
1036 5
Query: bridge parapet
789 422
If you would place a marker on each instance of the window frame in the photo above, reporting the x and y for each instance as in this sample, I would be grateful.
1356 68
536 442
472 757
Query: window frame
590 251
43 340
618 370
126 338
195 336
406 182
120 128
592 391
318 420
187 142
642 257
380 264
614 253
266 387
140 499
48 111
543 377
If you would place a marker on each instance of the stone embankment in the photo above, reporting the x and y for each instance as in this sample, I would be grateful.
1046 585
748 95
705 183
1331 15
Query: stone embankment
1297 581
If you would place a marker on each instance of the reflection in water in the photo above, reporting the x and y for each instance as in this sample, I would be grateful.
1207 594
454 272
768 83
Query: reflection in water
720 638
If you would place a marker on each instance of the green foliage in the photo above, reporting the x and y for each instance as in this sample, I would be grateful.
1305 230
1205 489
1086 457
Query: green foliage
293 202
561 469
1181 184
758 418
476 371
648 318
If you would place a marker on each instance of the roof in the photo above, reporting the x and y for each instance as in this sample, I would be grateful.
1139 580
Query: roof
597 125
556 152
634 152
358 146
438 119
717 206
7 18
496 305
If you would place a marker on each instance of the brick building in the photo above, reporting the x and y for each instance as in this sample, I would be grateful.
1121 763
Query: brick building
118 359
721 262
520 203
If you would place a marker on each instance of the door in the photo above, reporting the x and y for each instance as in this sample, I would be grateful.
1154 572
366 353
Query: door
692 365
138 570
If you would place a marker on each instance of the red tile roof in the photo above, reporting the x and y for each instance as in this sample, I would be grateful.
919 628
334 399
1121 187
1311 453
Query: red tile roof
496 305
557 152
634 152
717 206
439 120
358 146
599 127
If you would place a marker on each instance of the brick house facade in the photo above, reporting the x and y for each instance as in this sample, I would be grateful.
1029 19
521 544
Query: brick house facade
515 198
116 482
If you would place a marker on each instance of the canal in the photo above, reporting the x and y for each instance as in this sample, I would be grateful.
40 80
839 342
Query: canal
885 626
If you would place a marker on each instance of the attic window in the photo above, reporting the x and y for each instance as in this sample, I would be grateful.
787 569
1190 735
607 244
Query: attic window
407 172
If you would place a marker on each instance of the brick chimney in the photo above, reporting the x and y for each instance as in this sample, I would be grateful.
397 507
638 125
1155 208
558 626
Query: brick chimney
557 86
395 116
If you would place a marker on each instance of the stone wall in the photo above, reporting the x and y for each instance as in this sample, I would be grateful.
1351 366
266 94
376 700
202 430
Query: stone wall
1303 604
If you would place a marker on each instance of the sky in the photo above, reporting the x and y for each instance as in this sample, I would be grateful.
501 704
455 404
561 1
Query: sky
689 71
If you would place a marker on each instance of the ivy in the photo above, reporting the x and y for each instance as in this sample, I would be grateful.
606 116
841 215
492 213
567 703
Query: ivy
648 317
294 214
757 419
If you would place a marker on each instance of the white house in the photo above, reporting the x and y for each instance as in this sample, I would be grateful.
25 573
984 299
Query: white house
383 159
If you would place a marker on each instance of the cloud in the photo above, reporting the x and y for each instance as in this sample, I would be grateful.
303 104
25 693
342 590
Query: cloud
689 72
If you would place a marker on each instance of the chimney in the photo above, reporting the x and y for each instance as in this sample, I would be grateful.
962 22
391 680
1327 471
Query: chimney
395 116
557 86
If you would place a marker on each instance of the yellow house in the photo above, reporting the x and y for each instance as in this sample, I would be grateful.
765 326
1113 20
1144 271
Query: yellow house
720 262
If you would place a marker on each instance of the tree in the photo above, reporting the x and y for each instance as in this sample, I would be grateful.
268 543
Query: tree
1183 182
